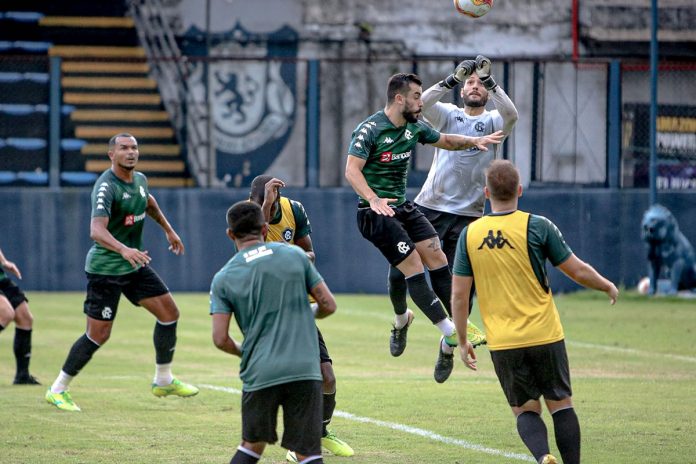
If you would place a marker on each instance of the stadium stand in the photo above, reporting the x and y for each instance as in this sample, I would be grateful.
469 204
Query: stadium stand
105 89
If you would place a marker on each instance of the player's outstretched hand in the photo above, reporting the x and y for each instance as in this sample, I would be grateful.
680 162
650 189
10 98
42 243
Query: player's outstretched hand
468 355
464 70
381 205
494 138
613 293
12 267
176 246
272 189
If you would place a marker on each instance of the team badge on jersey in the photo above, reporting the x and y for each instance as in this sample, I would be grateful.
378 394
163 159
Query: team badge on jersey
288 234
479 126
403 247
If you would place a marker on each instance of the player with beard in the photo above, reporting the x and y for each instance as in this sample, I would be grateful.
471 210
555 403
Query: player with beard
452 195
377 169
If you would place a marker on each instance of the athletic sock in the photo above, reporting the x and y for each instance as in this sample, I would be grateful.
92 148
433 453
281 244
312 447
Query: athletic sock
164 338
567 429
163 374
425 298
533 432
397 290
316 459
22 350
446 326
400 320
441 279
61 383
2 327
328 410
245 456
79 355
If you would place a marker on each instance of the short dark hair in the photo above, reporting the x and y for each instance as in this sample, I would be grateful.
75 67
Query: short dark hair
112 140
400 84
245 218
258 188
502 180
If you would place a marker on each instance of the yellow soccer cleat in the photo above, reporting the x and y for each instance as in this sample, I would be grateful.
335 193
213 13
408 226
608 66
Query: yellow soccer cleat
175 388
62 400
548 459
475 335
337 446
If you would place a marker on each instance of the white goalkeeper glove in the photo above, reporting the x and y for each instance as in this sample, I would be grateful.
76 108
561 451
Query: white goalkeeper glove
483 70
460 74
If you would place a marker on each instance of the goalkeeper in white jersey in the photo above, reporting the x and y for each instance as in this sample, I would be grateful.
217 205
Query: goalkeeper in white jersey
452 195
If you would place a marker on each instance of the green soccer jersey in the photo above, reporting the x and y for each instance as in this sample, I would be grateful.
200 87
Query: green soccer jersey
124 204
386 150
265 286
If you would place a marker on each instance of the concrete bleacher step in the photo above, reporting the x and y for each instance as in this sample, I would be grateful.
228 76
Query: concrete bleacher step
120 115
98 51
99 67
94 82
100 149
87 21
77 98
139 132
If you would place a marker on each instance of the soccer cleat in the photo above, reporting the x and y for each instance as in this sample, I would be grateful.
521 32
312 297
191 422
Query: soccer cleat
548 459
290 456
397 341
25 379
337 446
175 388
475 335
62 400
444 364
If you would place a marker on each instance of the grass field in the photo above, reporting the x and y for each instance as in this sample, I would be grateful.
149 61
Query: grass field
633 369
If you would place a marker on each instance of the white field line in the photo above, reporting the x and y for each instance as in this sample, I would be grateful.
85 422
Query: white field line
407 429
631 351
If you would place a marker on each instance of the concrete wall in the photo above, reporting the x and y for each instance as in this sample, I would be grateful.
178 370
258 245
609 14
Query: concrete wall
47 234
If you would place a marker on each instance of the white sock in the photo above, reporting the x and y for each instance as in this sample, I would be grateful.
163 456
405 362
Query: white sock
163 374
400 320
61 383
446 326
445 347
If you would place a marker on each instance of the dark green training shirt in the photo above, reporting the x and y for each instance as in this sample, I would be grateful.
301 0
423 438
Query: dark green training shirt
124 204
387 151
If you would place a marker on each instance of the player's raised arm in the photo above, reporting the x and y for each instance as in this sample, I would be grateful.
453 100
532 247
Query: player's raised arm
461 142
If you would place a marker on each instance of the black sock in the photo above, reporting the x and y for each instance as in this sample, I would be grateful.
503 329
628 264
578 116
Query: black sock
164 338
329 406
2 327
532 430
567 429
397 290
441 279
240 457
80 354
425 298
22 351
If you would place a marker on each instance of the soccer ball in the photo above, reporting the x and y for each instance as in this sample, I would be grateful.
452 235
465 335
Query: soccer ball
643 286
473 8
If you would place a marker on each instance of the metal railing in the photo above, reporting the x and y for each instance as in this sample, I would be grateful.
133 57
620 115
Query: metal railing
171 69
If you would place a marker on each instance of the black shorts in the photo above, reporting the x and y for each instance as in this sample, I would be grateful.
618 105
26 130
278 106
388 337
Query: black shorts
528 373
302 415
104 291
395 237
448 227
12 292
323 350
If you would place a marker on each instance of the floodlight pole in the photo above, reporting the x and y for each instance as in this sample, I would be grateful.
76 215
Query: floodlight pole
653 102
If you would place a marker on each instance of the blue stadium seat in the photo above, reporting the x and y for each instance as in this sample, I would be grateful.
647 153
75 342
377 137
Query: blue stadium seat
78 178
33 177
7 177
11 77
25 45
25 143
22 16
72 144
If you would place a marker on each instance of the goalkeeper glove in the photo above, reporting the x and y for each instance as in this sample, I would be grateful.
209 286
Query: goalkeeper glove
460 74
483 70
